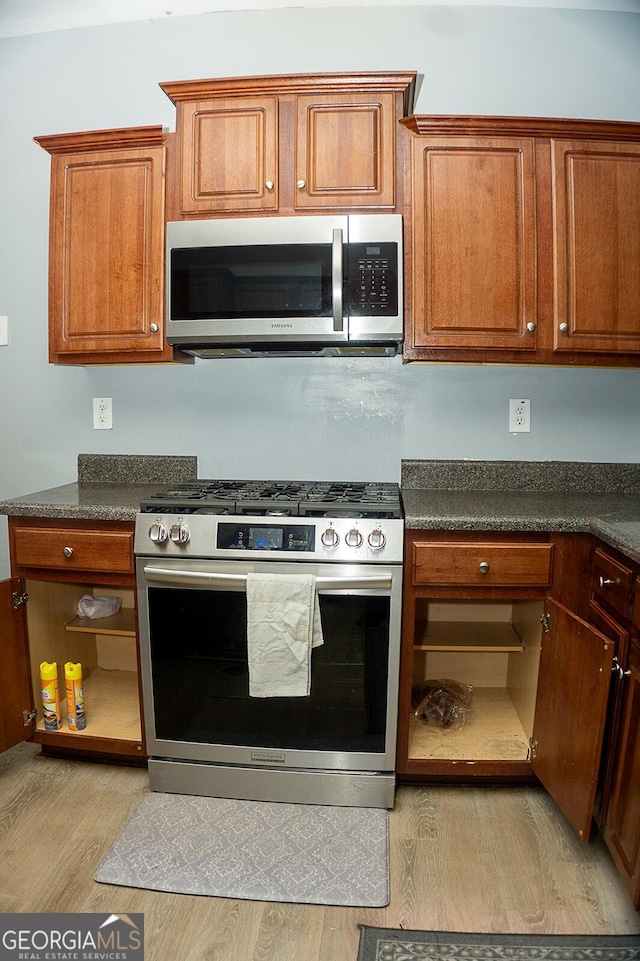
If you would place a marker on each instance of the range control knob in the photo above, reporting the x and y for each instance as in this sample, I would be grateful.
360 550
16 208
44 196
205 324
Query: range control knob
330 537
158 533
353 538
179 533
376 539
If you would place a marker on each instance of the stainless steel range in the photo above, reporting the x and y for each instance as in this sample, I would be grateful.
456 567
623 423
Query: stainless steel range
199 549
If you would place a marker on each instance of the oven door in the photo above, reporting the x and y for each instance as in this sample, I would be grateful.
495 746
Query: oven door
193 640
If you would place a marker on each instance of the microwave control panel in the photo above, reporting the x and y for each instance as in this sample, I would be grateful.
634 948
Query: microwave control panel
373 279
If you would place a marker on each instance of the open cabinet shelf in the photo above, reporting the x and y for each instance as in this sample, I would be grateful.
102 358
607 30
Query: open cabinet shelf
464 636
111 707
122 624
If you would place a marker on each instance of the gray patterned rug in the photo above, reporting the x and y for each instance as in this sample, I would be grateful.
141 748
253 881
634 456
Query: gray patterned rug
302 853
391 944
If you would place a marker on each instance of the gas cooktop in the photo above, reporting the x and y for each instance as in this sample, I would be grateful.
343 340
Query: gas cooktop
279 498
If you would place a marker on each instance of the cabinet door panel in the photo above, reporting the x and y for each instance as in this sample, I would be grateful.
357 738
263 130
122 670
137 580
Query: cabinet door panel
15 690
345 151
229 155
571 710
622 831
596 197
474 243
107 252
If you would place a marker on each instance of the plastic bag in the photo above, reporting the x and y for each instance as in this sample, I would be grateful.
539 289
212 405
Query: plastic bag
443 703
94 607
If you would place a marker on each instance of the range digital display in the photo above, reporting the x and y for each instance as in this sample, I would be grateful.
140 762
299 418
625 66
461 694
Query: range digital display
266 537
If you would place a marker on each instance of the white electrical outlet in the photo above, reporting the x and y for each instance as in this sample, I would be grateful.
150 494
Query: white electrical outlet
519 416
102 414
4 330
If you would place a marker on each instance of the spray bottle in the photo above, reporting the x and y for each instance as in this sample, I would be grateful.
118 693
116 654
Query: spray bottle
50 696
75 696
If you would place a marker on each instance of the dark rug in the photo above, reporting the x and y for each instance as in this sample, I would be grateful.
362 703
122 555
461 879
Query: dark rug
391 944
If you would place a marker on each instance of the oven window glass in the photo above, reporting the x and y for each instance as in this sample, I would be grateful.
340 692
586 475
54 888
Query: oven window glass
201 680
271 281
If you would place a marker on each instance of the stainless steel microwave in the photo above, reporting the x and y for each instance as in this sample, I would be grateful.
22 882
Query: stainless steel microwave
327 285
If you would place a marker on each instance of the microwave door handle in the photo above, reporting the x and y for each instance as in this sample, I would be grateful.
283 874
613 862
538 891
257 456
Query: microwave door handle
336 280
238 582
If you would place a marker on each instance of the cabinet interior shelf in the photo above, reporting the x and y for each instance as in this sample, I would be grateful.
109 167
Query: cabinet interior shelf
122 624
492 636
111 704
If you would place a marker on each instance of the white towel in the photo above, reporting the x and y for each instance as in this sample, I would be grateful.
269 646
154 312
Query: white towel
283 625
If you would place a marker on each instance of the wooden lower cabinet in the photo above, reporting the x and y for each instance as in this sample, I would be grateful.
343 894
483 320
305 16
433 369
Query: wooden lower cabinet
622 810
486 610
56 564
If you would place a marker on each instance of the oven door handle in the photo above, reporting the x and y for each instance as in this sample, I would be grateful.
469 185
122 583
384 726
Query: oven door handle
380 581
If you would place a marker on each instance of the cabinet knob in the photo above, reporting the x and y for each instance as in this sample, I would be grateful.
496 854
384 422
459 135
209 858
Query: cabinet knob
564 327
269 184
154 328
617 668
67 551
605 581
301 183
531 327
483 567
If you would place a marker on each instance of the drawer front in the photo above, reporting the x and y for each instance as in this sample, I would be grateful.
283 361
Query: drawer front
612 584
110 551
482 565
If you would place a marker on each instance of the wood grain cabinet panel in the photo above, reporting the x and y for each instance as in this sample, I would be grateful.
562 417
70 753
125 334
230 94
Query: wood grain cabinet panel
596 208
525 241
106 249
622 831
229 155
289 143
482 564
345 151
474 243
77 550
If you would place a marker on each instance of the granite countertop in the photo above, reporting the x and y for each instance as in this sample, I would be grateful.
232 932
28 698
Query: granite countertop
548 496
603 499
109 487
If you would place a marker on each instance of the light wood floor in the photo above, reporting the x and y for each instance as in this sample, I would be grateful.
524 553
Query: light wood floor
489 858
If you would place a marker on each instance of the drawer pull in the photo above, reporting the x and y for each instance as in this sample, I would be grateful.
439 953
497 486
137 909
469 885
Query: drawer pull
483 567
605 581
67 551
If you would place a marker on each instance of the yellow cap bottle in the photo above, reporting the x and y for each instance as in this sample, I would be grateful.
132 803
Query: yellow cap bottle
50 696
75 696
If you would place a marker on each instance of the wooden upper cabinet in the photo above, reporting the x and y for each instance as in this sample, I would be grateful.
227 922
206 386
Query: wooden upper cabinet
525 241
474 243
229 150
596 208
289 143
345 151
106 255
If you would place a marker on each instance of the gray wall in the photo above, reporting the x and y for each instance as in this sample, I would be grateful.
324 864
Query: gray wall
298 418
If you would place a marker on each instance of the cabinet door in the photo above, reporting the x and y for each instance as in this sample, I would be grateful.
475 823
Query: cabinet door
345 150
622 830
571 710
229 155
596 223
106 292
15 689
474 243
